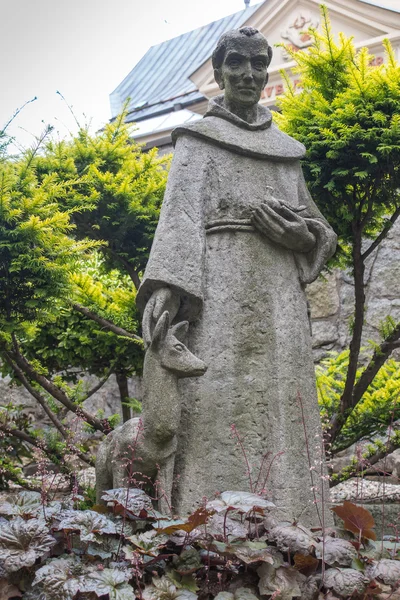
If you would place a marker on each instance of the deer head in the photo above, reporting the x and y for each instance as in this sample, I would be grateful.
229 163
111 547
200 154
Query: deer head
173 354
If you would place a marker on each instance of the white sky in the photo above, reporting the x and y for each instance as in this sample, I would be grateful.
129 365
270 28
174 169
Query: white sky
84 48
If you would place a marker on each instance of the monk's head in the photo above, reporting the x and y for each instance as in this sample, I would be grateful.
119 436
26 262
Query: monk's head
240 62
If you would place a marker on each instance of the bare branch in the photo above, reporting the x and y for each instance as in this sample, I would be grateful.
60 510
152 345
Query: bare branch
16 113
127 265
23 482
377 361
339 418
21 435
99 385
42 401
19 360
105 322
389 224
56 422
367 461
37 443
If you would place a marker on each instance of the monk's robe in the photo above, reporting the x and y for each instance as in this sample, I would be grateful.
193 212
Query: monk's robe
244 298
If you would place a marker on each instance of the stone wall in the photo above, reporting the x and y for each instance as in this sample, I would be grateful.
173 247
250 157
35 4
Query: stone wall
331 300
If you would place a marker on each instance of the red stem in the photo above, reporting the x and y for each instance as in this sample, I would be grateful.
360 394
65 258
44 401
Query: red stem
309 456
240 442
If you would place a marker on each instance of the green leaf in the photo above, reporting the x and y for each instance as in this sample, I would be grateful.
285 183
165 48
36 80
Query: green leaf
23 542
162 588
385 570
336 552
284 580
89 524
60 578
110 581
132 500
21 504
345 581
243 502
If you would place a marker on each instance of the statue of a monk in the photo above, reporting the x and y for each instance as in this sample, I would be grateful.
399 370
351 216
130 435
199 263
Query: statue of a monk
238 238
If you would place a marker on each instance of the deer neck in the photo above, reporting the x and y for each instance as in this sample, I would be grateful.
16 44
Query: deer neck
155 375
161 403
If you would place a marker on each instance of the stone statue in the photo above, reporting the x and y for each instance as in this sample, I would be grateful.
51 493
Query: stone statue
238 238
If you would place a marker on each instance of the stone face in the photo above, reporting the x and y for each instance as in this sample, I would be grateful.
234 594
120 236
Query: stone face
377 311
385 273
16 394
346 309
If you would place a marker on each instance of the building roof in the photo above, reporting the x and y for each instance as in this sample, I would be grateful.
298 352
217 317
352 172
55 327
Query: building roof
164 122
170 64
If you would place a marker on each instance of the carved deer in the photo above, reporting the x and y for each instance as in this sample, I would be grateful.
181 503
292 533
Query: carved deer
167 360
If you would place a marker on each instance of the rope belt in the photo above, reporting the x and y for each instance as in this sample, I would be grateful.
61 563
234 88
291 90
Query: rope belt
229 225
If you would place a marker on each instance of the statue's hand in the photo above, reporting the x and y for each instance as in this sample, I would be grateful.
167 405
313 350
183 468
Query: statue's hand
282 225
161 300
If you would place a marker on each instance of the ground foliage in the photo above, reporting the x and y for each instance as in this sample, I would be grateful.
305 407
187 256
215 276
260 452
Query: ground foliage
126 550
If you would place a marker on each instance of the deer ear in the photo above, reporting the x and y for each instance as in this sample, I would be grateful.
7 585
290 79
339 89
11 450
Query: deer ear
161 329
180 330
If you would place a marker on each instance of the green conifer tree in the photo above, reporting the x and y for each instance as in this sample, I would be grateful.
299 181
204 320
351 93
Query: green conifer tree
65 310
347 114
118 192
